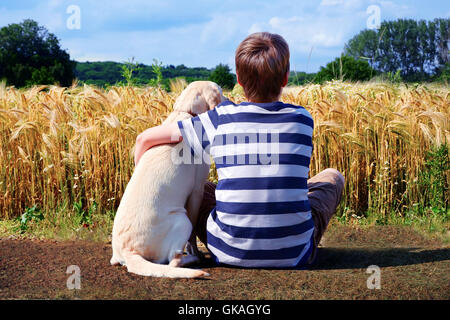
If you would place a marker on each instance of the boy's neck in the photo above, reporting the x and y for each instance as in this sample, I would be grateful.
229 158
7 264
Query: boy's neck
263 102
266 101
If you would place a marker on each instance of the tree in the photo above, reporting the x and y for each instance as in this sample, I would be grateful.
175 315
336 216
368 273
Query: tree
29 54
109 73
222 76
418 48
346 68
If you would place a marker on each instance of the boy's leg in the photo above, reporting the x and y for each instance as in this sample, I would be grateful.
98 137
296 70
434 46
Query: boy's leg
208 203
325 192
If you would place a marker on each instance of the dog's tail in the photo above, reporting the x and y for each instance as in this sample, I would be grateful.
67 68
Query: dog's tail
137 264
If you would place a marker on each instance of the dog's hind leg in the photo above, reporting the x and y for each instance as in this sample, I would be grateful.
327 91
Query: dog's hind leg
114 261
183 229
116 257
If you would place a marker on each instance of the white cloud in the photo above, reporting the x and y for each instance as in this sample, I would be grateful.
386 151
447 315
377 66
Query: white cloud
326 3
315 37
389 8
181 45
303 33
52 18
54 3
341 3
220 30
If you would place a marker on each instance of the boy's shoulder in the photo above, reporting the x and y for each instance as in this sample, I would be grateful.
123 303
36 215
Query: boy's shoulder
228 107
271 106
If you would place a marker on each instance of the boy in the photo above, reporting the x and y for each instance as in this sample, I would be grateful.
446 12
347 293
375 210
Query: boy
263 211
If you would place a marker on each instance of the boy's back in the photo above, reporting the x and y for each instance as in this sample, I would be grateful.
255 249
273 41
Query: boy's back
262 154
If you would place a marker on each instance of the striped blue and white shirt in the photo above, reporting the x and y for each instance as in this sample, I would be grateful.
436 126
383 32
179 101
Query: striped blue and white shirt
262 153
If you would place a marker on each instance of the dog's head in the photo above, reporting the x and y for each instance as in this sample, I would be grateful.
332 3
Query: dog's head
199 97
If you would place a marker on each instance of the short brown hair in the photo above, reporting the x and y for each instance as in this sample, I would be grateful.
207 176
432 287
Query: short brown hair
262 61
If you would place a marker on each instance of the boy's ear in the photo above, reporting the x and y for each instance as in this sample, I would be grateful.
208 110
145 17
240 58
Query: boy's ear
285 79
237 79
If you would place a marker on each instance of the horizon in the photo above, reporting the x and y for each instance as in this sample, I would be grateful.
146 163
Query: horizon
203 34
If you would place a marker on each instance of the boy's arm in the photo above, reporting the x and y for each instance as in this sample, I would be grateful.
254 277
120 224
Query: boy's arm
169 133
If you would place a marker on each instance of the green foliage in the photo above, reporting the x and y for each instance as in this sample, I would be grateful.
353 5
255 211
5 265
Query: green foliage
128 68
394 77
107 73
418 48
345 68
84 217
157 70
222 76
33 213
433 180
99 73
301 78
29 54
443 74
389 77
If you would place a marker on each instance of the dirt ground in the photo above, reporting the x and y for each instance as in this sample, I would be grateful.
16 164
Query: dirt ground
412 267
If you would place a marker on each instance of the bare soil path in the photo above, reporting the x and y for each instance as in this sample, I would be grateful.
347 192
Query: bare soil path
412 267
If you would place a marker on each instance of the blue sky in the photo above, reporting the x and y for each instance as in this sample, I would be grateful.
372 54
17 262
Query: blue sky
206 32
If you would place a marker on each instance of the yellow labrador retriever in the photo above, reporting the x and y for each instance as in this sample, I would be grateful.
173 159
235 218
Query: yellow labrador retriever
160 204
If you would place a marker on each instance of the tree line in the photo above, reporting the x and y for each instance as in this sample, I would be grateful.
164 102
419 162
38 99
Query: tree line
418 50
109 73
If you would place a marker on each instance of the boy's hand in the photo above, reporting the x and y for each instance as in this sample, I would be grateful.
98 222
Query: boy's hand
163 134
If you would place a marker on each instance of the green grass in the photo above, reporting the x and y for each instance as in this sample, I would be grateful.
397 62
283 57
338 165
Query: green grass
62 224
430 216
65 224
431 224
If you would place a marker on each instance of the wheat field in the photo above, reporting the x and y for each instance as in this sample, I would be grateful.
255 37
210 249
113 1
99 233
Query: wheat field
61 146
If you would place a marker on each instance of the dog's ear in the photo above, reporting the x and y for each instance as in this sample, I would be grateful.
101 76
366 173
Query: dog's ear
208 100
214 97
199 104
191 100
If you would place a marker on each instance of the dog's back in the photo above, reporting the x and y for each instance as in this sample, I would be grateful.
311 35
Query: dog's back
151 225
151 220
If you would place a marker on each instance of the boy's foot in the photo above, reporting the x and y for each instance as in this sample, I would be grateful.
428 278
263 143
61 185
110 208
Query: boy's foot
322 242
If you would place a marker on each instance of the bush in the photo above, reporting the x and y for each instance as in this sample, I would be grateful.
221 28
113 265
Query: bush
345 68
443 74
223 77
433 179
